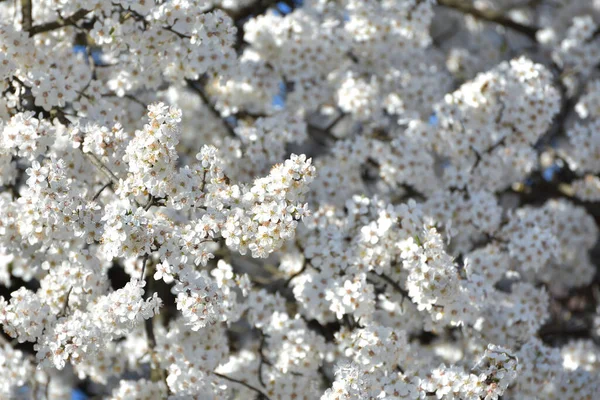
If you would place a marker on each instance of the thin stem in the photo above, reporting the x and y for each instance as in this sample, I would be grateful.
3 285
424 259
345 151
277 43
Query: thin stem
156 373
149 203
181 35
114 180
144 262
263 360
150 333
131 13
260 392
291 278
154 201
394 284
127 96
65 306
101 190
103 168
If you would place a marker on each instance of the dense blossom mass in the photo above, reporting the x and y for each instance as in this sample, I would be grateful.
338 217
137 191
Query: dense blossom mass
287 199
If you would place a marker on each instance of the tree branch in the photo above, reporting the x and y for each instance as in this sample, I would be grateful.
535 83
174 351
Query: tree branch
65 306
321 135
260 392
495 17
263 359
27 19
394 284
99 192
59 23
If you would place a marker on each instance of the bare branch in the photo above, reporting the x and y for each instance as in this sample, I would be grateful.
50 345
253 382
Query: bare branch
263 359
321 135
394 284
260 392
59 23
144 262
181 35
495 17
27 19
65 306
99 192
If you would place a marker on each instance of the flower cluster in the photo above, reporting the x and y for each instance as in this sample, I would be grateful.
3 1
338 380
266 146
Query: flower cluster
494 120
151 154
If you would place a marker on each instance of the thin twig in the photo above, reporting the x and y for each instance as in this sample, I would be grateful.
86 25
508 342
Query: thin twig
149 203
65 306
101 190
114 180
144 262
156 373
489 15
103 168
126 96
260 392
154 201
181 35
263 360
394 284
291 278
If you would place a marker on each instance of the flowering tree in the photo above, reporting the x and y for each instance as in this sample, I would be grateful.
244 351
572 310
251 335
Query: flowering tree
334 199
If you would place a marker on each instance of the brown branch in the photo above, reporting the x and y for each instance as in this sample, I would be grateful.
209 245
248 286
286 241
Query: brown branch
260 392
155 201
394 284
150 333
316 132
144 262
99 192
27 19
59 23
263 359
294 275
181 35
156 373
492 16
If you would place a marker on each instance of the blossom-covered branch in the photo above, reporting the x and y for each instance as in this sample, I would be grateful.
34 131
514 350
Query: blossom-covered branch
257 199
